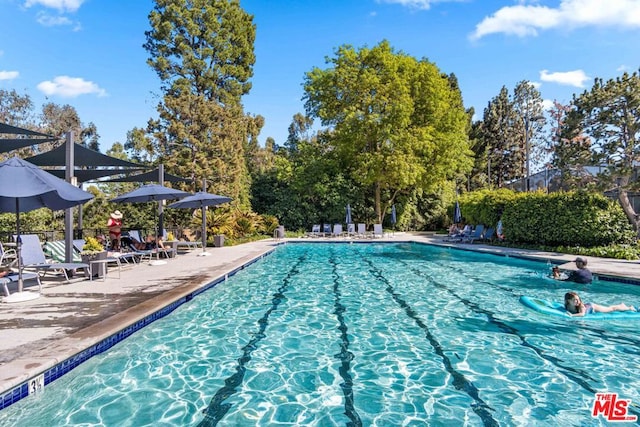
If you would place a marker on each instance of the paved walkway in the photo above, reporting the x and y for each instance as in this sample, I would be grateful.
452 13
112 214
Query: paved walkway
67 318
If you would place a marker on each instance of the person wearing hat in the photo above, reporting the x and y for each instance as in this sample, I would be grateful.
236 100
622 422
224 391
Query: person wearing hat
582 274
115 228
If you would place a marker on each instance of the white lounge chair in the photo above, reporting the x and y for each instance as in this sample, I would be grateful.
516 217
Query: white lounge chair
337 230
362 230
377 231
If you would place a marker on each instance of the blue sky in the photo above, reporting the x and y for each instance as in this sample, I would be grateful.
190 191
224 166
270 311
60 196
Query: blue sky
88 53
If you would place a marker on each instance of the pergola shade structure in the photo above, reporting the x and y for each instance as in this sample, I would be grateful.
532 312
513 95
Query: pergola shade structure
151 176
13 143
102 164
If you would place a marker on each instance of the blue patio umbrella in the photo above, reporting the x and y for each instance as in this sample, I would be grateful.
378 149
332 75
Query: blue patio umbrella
201 200
394 219
151 193
348 218
457 215
25 187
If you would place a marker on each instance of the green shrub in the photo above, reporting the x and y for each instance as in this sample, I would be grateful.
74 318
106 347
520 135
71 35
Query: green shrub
570 219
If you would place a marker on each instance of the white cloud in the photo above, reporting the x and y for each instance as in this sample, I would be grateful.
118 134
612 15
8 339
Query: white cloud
52 21
575 78
9 75
70 87
61 5
527 20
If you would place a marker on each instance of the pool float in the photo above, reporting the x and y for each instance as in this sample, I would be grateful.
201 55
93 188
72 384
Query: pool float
557 309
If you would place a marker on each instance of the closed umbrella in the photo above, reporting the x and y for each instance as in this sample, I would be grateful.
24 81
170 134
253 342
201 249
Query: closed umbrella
457 215
35 189
348 218
393 215
201 200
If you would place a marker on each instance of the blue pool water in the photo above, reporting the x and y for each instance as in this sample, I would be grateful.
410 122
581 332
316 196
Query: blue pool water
358 334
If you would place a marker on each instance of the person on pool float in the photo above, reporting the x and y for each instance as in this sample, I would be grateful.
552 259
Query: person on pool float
581 275
576 307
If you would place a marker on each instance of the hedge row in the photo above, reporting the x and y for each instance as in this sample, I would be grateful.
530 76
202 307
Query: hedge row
557 219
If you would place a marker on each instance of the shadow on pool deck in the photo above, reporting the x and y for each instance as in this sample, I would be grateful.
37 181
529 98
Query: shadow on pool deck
68 318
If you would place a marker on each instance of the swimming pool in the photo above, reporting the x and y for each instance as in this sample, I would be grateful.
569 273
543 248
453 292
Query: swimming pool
358 334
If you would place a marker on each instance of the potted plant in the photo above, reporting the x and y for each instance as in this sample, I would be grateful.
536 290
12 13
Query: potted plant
93 251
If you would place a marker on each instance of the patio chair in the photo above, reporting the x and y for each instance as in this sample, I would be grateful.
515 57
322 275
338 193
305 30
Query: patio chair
7 256
56 251
315 231
13 278
475 235
326 230
362 230
119 258
377 231
167 252
337 230
351 230
489 234
33 257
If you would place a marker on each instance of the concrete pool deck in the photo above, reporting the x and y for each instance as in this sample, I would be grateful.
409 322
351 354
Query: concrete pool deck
69 318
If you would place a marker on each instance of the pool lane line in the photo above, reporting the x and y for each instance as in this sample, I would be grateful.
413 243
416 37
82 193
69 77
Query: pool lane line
216 409
460 382
345 356
574 374
579 374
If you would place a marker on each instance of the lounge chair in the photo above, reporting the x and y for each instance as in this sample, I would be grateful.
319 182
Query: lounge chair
488 234
56 251
7 256
13 277
377 231
167 252
475 235
337 230
315 231
362 230
33 257
326 230
351 230
117 257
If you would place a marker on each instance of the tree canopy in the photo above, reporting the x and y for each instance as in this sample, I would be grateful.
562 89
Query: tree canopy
397 123
202 51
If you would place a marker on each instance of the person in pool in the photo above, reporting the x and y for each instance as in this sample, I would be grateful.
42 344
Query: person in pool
581 275
576 307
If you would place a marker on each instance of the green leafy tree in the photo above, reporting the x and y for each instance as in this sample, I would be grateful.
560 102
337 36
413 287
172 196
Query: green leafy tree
202 51
610 113
396 122
16 109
